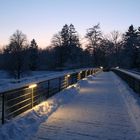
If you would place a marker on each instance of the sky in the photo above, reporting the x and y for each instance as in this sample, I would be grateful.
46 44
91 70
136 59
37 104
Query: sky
41 19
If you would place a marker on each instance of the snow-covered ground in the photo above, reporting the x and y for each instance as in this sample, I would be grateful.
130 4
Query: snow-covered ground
131 99
7 83
25 126
96 108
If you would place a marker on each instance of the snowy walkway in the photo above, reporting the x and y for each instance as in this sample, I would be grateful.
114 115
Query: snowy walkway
98 112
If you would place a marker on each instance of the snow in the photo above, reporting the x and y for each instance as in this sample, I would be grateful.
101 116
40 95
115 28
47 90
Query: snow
100 107
7 83
137 76
25 125
132 101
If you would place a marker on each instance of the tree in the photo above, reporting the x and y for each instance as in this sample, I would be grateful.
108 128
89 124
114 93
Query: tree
65 50
130 47
116 39
15 53
74 46
46 59
107 53
1 58
94 37
33 55
66 46
58 50
138 49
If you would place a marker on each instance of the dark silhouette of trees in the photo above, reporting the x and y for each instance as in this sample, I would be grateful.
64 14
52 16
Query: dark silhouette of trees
115 49
116 39
94 37
33 55
15 54
1 59
58 50
138 50
66 52
46 59
65 42
74 45
66 47
131 47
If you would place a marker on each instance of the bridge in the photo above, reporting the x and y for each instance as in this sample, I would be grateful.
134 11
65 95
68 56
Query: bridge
98 110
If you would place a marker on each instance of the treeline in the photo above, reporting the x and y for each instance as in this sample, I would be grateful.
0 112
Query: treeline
67 52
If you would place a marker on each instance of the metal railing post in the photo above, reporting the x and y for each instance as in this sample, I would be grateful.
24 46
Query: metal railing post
59 84
67 81
48 88
3 109
32 98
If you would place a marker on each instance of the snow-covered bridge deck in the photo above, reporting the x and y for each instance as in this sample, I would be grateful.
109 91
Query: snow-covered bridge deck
98 112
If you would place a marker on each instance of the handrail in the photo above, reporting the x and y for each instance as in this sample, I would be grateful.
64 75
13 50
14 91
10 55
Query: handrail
16 101
133 80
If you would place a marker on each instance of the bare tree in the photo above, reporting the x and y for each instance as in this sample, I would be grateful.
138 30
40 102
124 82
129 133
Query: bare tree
94 37
116 39
58 50
115 36
15 52
56 40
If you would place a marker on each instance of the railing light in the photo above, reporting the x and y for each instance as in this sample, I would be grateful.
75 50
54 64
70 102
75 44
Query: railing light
33 86
101 67
68 75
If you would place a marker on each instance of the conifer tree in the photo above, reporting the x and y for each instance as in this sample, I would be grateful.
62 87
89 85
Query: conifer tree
33 55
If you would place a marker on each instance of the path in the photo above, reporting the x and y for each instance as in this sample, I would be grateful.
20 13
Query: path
98 112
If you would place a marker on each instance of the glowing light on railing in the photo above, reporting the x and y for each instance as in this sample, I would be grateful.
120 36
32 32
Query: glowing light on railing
117 67
101 67
33 86
68 75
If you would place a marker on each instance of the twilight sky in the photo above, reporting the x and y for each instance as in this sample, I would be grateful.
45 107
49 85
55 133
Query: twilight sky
40 19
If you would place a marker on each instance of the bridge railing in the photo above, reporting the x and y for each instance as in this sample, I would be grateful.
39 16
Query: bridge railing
132 79
17 101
